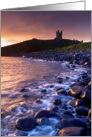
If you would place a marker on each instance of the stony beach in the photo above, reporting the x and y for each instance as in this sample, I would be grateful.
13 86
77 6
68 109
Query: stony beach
70 110
68 125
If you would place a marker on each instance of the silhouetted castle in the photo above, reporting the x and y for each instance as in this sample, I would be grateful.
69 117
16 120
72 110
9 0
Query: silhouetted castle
58 35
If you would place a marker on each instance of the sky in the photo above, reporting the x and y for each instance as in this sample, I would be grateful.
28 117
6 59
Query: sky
18 26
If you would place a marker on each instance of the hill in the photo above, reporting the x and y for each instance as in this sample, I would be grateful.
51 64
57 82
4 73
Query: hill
79 46
35 45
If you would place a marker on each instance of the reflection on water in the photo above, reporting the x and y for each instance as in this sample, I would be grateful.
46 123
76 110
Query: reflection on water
18 72
35 75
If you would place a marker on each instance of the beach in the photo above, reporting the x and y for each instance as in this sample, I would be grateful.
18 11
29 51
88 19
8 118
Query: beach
48 91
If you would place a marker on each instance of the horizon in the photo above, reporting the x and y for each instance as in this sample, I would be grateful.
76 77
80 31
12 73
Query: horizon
19 26
40 39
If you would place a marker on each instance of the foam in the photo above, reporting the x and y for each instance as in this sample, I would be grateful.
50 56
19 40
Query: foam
46 130
42 131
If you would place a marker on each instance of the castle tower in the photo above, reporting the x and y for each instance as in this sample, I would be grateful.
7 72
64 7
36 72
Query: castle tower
58 35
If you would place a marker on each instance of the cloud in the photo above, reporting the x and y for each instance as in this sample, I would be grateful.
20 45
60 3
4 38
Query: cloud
17 26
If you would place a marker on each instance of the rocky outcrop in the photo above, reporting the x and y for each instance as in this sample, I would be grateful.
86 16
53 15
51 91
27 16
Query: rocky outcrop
25 124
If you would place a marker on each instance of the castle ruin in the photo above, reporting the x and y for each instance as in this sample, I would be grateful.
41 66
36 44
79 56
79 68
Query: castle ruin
58 35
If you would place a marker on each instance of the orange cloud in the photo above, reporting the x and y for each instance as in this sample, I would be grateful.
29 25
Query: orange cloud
17 26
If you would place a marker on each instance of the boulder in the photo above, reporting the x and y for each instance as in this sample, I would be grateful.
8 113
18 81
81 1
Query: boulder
26 96
47 114
88 133
86 96
67 112
82 110
79 102
88 87
89 116
59 88
89 83
76 91
61 91
85 81
67 78
44 91
76 84
55 109
25 124
39 102
44 121
72 131
65 116
51 86
57 102
59 80
71 122
72 102
24 90
84 75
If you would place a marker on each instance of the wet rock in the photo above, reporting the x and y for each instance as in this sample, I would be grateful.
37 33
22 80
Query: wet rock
44 121
85 81
44 91
25 124
72 131
89 83
26 96
65 116
55 109
57 102
61 91
67 112
89 116
73 66
88 87
51 86
82 110
72 102
84 75
71 122
39 102
24 90
86 96
76 84
79 102
68 66
63 106
47 114
59 88
88 132
76 91
59 80
67 78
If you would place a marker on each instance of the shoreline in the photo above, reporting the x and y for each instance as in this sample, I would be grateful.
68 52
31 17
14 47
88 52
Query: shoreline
81 102
82 57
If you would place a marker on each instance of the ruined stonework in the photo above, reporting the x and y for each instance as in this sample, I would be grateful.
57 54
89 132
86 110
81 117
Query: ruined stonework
58 35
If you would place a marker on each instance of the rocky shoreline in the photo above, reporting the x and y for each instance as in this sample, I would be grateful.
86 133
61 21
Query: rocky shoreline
82 57
68 125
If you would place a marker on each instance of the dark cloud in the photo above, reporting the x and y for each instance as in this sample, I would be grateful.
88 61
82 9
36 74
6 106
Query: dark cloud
43 24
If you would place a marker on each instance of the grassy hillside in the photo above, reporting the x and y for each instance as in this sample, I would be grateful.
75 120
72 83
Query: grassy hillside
35 45
80 46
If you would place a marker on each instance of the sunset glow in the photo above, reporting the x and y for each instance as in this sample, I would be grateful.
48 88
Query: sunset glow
18 26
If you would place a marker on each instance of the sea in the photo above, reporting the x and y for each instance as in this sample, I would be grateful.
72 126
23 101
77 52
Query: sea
34 75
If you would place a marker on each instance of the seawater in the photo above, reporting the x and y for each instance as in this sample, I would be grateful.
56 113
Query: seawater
34 75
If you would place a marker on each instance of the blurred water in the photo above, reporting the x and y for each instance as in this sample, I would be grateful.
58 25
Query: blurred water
35 75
